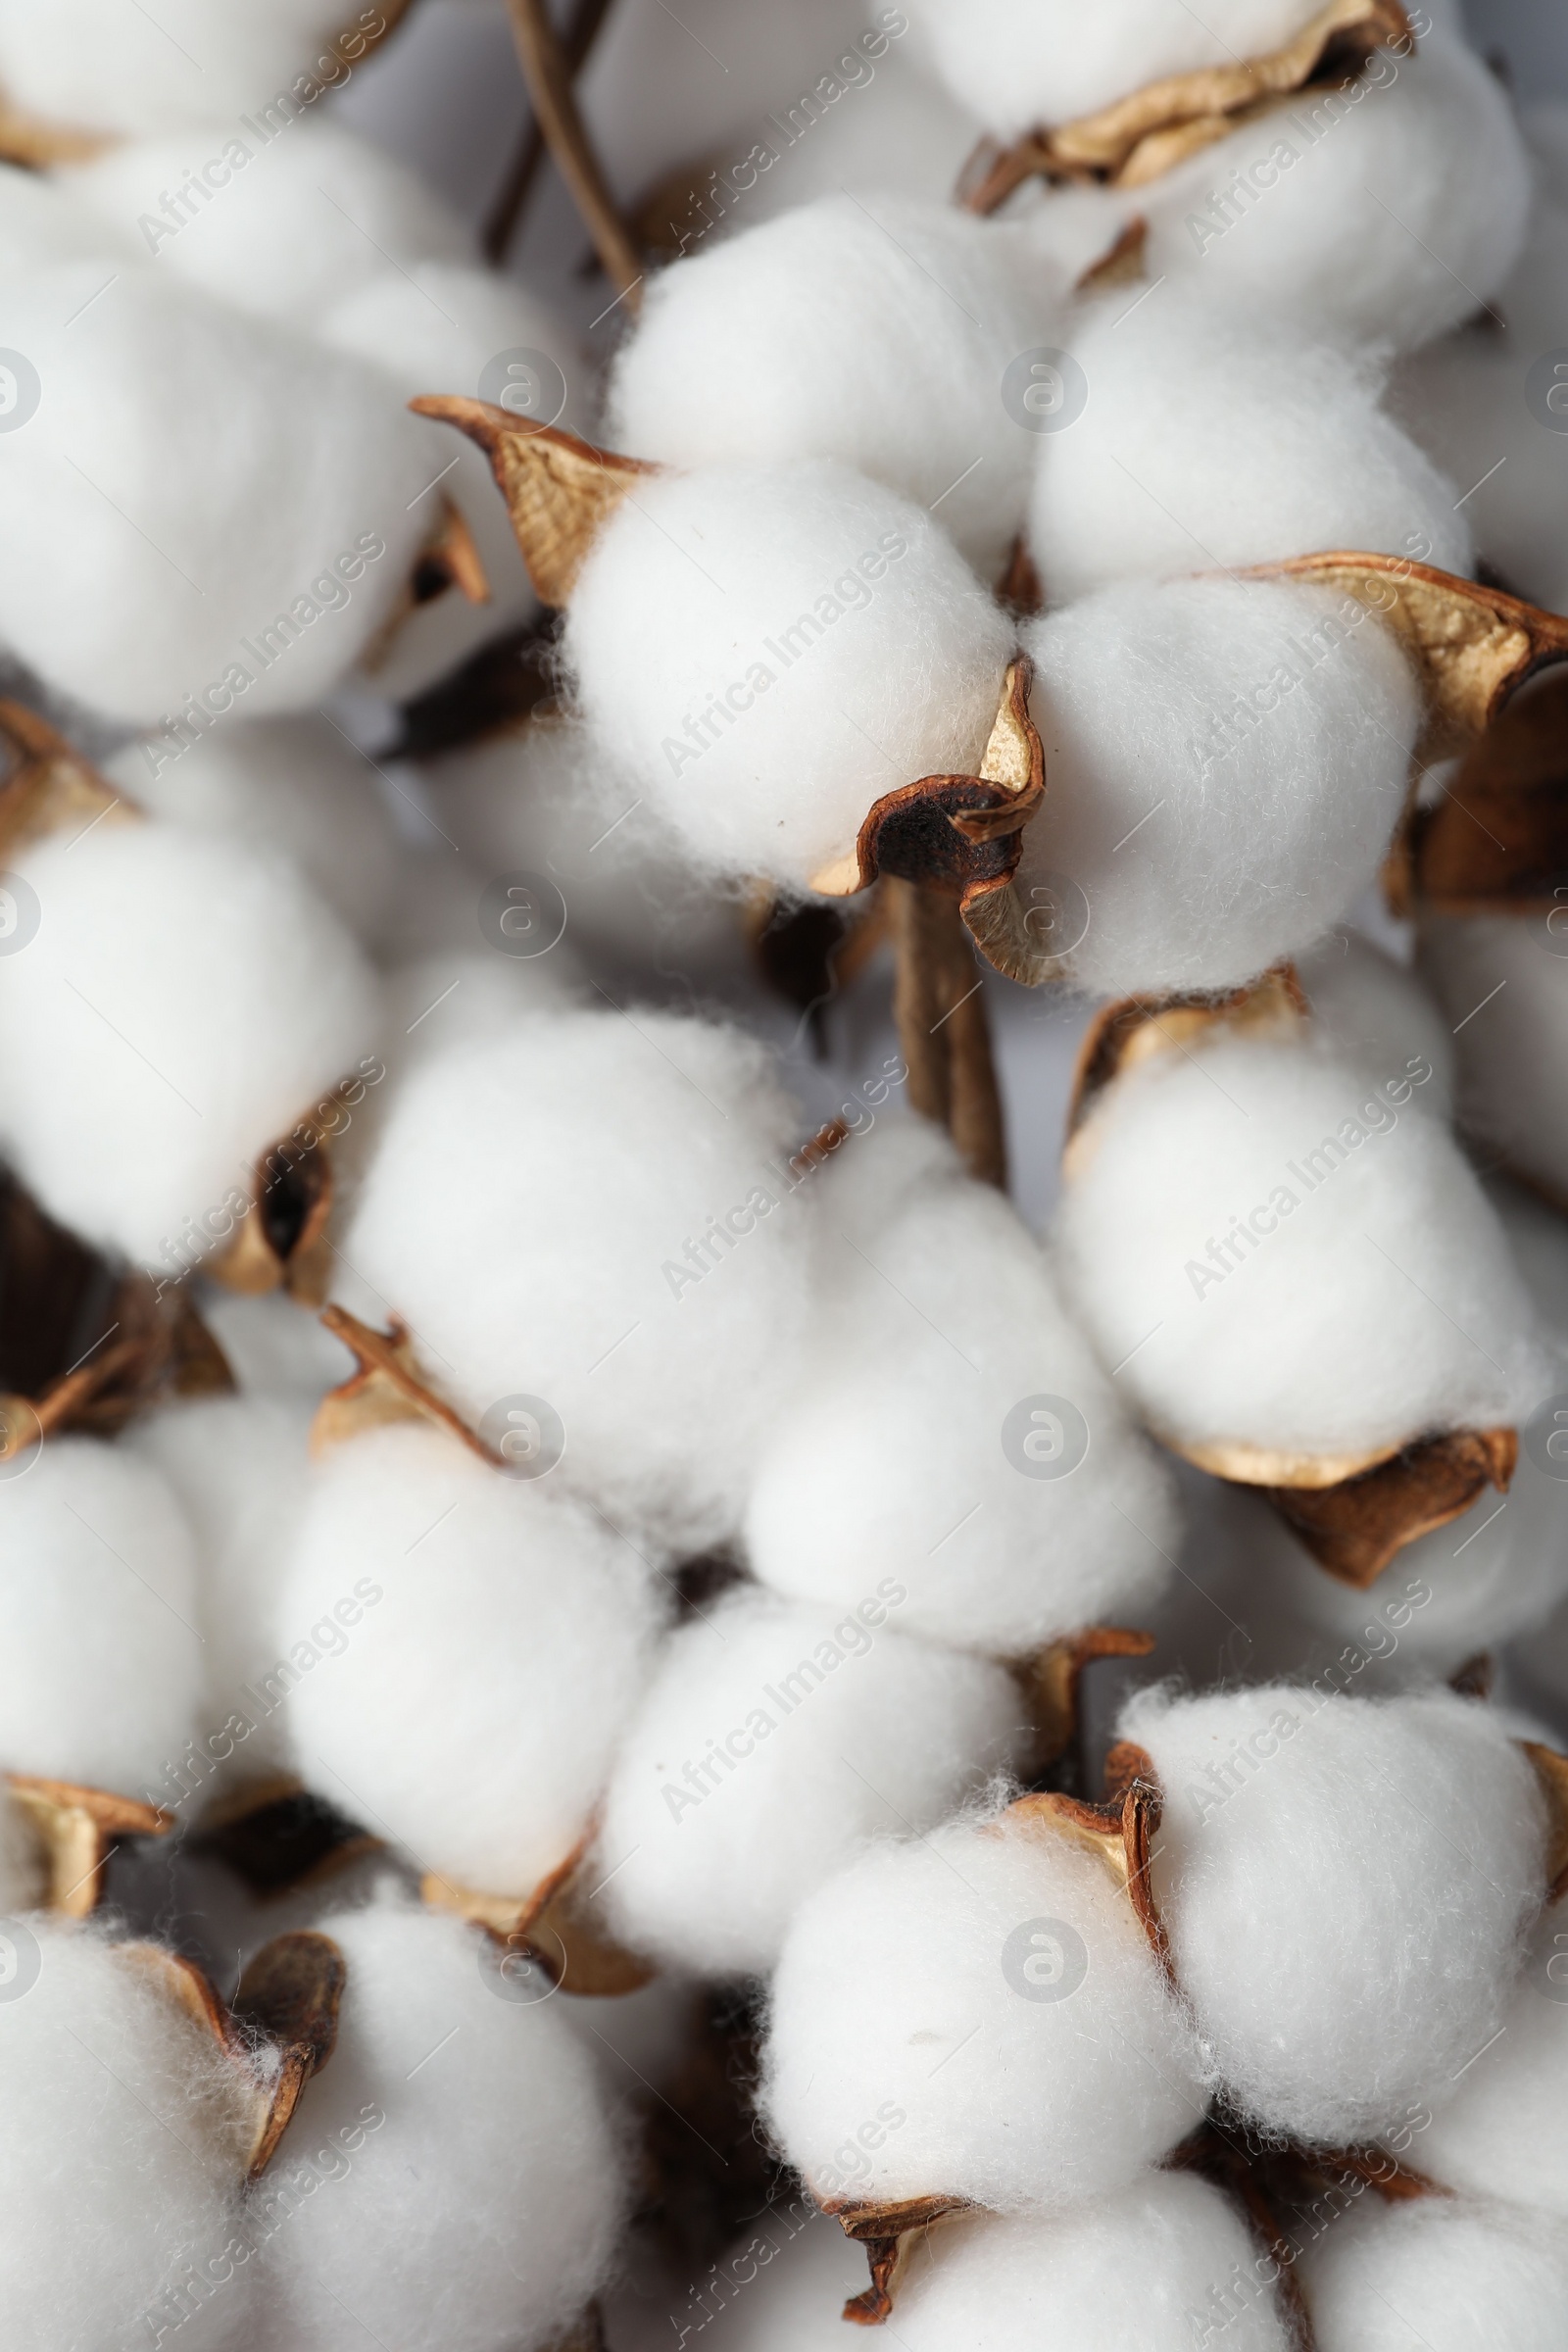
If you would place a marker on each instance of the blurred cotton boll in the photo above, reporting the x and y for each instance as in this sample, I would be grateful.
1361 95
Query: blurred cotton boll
184 1005
653 1298
1447 2274
229 533
1377 1011
770 649
1503 982
41 221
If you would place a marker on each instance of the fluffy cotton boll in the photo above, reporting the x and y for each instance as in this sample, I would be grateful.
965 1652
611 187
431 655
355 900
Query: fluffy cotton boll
239 1466
1147 2266
440 1001
297 226
1018 67
775 1741
505 1219
1369 1294
40 224
1505 2133
101 1653
296 785
794 2293
122 2160
980 2015
273 1347
1313 1847
1386 214
1227 761
436 327
239 543
468 2186
540 799
905 1452
182 1007
875 334
1447 2276
768 649
1513 1050
426 1577
1262 443
1376 1012
112 68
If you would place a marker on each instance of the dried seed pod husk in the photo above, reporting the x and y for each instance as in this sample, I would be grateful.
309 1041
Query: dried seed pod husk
1053 1679
1141 137
1551 1774
282 1241
389 1387
552 1925
1355 1511
275 1833
46 787
448 560
77 1829
1497 840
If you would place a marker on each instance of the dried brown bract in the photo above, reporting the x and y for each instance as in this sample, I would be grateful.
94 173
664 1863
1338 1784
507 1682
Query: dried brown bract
1052 1678
1497 840
553 1926
77 1829
388 1389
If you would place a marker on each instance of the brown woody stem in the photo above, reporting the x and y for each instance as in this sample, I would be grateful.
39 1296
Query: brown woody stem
939 1004
582 29
548 73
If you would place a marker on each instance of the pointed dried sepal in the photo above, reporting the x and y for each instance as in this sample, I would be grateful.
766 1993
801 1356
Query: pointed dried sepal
1140 138
1355 1525
1472 646
887 2233
1122 264
1118 1833
1552 1772
448 560
1497 841
291 1994
36 144
560 491
388 1387
280 1243
1054 1676
47 788
77 1829
553 1926
1135 1030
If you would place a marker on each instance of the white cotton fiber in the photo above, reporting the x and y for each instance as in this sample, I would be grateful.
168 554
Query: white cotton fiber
912 141
1504 2133
782 2289
184 1005
451 2180
437 327
770 649
1502 980
1017 66
239 1466
1438 2276
1386 212
776 1738
296 785
1150 2266
122 2159
1298 1254
106 66
485 1640
1226 761
909 1449
541 799
40 224
283 227
976 2015
273 1347
1377 1011
543 1212
877 333
227 535
1213 439
100 1650
442 999
1345 1884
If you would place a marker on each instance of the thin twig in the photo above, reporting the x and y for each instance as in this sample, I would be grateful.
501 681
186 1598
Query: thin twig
577 43
555 105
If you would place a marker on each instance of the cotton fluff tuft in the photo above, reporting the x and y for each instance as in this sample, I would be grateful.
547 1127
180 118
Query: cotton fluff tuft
273 1349
182 1007
1019 64
104 66
936 1318
122 2160
304 222
1377 1011
775 1740
1227 761
1345 1884
1513 1050
1441 2274
769 649
912 2051
1145 2266
228 532
1505 2131
296 785
538 1253
100 1656
484 1641
493 2245
1215 439
876 334
1299 1254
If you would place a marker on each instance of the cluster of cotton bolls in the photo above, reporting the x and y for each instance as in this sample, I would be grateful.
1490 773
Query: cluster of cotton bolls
631 1698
